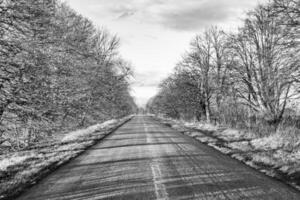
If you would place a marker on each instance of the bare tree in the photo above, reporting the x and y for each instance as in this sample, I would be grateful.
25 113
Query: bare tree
288 10
57 70
267 66
201 56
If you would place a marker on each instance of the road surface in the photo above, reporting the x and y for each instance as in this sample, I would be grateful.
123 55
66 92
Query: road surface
146 160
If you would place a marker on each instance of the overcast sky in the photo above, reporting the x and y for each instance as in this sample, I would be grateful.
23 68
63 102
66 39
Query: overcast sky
155 33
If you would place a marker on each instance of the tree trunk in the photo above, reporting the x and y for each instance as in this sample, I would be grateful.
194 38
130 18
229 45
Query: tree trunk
207 111
82 121
28 132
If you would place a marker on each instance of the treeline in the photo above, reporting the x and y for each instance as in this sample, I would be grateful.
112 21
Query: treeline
238 78
57 71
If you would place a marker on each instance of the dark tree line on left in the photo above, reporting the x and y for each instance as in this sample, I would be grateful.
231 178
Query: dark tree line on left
57 71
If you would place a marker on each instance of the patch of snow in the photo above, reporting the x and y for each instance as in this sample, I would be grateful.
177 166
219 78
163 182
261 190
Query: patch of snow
202 126
107 123
238 157
268 172
15 160
222 149
242 146
6 144
196 134
280 150
271 142
288 157
251 164
83 132
207 139
284 168
230 134
263 158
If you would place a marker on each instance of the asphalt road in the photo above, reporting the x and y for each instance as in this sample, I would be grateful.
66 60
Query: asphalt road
146 160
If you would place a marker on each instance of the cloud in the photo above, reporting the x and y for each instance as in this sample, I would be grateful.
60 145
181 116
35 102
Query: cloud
154 33
197 14
189 15
122 10
193 19
126 14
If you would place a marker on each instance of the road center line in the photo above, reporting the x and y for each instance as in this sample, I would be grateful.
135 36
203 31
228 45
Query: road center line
160 188
146 131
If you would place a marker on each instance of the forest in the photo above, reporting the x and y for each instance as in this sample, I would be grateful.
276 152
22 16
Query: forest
58 72
68 122
247 78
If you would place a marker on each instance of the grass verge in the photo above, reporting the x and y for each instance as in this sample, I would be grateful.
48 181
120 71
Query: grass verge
20 170
276 155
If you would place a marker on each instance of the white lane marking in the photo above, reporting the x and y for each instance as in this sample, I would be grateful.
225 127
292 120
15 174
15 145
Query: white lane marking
148 140
146 131
160 189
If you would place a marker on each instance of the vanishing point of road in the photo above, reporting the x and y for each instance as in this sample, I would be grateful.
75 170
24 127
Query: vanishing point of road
144 160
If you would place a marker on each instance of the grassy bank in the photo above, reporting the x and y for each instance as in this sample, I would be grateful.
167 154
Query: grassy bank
19 170
277 154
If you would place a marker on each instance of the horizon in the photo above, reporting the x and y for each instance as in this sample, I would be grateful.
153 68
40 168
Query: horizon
155 34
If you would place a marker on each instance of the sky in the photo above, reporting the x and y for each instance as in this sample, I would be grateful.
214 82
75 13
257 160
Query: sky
154 34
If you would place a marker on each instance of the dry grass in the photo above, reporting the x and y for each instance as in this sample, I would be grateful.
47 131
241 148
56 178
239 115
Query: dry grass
274 152
18 169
